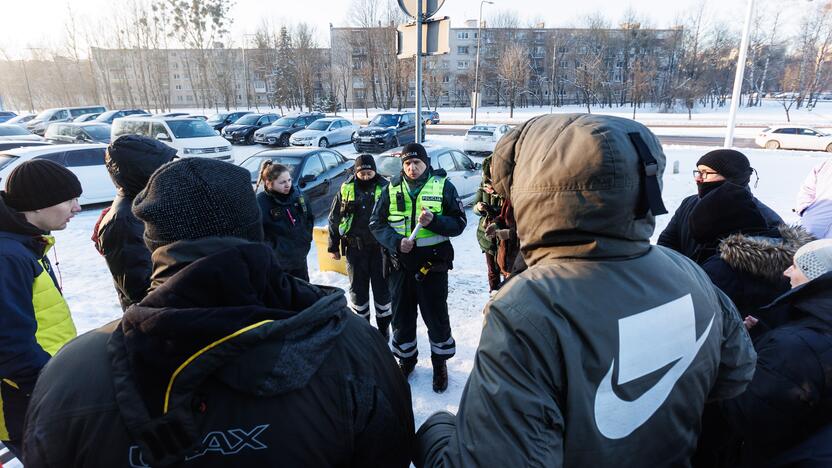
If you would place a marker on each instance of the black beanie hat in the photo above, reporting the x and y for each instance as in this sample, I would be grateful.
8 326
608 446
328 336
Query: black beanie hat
40 183
415 150
365 162
198 197
131 159
729 163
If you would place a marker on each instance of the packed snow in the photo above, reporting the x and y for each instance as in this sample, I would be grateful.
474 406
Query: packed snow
88 286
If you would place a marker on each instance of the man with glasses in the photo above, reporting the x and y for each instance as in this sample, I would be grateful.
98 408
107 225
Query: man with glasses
714 169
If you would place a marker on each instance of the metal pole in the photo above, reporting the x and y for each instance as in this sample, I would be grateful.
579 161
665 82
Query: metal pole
735 98
28 88
419 121
477 66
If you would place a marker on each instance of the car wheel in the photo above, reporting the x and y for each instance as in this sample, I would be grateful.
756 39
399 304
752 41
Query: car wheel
250 139
773 144
323 143
284 140
394 142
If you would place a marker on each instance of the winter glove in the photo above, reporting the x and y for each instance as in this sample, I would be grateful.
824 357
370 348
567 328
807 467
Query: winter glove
503 234
491 231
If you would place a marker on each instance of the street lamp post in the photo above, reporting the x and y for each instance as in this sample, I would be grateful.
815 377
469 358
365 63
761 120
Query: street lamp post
477 66
735 97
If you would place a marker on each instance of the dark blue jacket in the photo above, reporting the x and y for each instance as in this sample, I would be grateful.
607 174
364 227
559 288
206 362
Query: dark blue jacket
287 226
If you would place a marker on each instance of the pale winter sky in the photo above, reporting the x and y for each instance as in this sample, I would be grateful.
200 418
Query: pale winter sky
40 23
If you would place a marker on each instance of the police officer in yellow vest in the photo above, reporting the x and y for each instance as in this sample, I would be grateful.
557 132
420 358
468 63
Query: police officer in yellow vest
41 196
414 220
349 234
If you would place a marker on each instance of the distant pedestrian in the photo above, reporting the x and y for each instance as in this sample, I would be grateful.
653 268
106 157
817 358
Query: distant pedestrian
287 219
814 201
130 159
487 206
40 197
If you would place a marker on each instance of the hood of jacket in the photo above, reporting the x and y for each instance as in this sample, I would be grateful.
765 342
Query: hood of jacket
813 299
131 160
285 200
575 183
233 315
766 255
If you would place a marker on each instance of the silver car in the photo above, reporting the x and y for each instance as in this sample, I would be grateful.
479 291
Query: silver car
325 132
480 140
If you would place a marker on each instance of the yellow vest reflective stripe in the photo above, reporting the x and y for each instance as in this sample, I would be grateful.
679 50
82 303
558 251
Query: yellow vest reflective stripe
348 195
403 220
55 326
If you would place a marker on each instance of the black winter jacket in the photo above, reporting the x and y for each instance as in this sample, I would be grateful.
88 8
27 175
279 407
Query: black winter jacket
363 205
785 413
450 223
228 362
677 235
287 226
120 235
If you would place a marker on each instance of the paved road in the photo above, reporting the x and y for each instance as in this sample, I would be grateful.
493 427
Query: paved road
666 140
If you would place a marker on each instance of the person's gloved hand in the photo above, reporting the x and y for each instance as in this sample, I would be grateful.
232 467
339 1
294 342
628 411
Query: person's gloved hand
491 230
503 234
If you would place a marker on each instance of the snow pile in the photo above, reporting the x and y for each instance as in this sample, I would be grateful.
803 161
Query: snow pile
92 298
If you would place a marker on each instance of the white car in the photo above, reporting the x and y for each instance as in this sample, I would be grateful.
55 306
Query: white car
794 137
84 160
480 140
190 137
17 133
465 174
330 131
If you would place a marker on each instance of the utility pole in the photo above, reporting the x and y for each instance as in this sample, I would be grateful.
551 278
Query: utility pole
28 88
477 66
419 121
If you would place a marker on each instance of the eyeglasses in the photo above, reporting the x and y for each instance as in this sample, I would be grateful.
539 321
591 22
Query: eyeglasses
697 174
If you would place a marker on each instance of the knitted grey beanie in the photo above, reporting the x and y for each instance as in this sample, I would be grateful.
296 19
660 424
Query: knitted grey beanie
815 258
193 198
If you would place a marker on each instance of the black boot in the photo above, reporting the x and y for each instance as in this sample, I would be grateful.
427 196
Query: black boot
407 365
440 374
383 324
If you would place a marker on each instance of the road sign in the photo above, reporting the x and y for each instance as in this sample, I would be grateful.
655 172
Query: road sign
435 38
429 7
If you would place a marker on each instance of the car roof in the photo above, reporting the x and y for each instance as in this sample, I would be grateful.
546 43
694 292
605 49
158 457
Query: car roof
775 127
10 144
84 124
41 150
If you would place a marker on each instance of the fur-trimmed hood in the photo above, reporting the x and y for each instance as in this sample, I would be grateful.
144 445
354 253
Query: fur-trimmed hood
767 255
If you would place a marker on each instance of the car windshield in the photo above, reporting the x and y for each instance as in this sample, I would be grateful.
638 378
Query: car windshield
6 159
45 115
284 122
99 132
106 115
190 128
319 125
384 120
11 130
389 166
254 163
249 119
217 118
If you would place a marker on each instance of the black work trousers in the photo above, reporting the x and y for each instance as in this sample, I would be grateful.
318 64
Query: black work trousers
430 296
364 267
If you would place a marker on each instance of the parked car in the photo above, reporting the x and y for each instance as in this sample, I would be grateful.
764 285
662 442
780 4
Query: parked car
21 119
279 132
16 132
794 137
109 116
85 161
385 131
221 119
6 116
59 114
85 117
71 132
172 114
330 131
242 131
190 137
480 140
319 172
11 144
200 117
465 174
430 117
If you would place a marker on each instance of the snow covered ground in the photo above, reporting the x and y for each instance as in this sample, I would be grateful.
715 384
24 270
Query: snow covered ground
92 299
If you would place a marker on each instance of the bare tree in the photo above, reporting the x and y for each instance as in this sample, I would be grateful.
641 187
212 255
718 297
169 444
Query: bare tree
514 72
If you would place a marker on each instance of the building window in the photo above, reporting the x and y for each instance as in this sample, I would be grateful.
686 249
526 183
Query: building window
462 35
462 50
446 79
178 86
175 76
462 65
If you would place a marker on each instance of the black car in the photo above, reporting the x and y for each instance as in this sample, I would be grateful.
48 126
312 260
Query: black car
279 132
109 116
221 119
319 172
385 131
242 131
70 132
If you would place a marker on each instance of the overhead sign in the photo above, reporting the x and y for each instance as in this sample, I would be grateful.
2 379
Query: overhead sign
436 36
429 7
